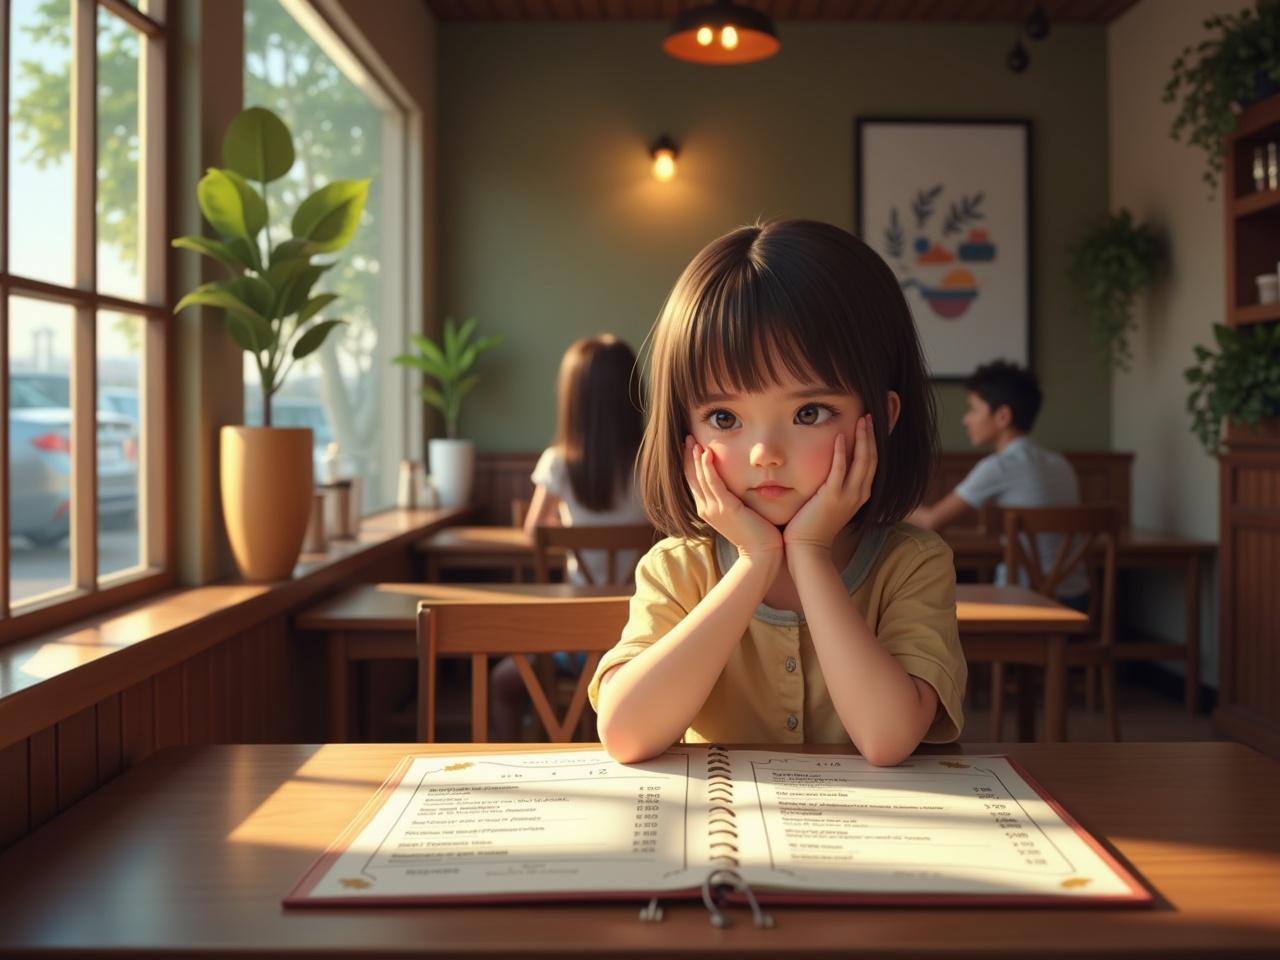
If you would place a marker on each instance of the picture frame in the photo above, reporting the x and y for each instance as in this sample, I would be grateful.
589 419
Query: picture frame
947 203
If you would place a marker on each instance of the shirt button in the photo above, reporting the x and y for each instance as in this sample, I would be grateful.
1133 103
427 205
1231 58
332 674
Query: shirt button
791 664
792 722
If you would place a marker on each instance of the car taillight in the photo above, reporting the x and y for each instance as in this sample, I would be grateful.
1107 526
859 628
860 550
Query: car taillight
129 446
52 443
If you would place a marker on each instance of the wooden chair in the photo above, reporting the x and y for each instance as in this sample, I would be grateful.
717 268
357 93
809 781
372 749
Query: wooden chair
541 626
611 540
1082 532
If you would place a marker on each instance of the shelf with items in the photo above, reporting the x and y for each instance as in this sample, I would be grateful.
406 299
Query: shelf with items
1252 210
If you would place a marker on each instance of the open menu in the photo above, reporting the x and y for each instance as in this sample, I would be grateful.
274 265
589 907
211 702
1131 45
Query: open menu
792 827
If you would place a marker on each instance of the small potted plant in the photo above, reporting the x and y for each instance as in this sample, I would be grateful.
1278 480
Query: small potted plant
1110 265
450 365
1222 74
1239 384
272 311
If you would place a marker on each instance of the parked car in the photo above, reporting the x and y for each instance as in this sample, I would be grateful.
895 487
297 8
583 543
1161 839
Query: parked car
40 459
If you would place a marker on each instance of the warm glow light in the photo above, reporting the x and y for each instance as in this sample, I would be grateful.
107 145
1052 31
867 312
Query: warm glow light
729 38
664 165
705 36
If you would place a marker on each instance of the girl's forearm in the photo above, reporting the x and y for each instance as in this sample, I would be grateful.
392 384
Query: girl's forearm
647 704
877 701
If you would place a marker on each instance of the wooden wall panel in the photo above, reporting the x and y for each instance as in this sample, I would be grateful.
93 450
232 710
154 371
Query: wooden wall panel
14 798
110 761
77 757
168 708
42 776
137 723
195 700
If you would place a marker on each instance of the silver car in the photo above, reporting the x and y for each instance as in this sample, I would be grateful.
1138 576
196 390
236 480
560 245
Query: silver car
40 460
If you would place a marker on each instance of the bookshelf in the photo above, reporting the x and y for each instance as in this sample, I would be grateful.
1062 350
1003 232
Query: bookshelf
1249 498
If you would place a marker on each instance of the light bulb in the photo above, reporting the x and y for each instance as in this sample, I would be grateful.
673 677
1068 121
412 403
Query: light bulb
705 36
729 38
664 165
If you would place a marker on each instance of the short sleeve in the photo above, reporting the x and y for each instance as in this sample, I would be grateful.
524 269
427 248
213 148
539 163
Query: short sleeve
983 483
917 625
659 603
550 472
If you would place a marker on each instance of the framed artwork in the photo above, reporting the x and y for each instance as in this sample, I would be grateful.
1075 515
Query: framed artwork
947 203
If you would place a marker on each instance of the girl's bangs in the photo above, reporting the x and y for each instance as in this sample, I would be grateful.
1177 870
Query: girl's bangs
747 343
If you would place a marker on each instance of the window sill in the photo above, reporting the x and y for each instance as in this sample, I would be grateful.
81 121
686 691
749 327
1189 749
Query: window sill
47 678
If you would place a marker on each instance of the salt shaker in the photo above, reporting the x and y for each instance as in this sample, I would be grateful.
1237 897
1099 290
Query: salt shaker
314 541
407 487
427 497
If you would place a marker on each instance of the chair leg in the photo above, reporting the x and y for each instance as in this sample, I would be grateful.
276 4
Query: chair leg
1090 688
1108 671
997 702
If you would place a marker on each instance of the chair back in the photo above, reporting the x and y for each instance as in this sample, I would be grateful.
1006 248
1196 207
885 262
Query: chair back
1082 532
633 539
540 626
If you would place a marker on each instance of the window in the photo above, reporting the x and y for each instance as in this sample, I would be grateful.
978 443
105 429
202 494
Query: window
83 320
345 126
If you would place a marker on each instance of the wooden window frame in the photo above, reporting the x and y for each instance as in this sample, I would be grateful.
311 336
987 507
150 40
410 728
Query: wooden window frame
88 593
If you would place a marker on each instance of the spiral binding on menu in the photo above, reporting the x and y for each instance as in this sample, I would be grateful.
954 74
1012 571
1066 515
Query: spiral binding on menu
722 828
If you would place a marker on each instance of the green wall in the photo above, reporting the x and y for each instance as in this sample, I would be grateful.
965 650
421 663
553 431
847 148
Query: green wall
551 226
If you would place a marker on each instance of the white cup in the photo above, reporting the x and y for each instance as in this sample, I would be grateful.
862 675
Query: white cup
1268 287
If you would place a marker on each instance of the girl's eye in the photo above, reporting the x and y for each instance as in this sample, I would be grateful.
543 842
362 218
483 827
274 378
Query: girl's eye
721 419
812 414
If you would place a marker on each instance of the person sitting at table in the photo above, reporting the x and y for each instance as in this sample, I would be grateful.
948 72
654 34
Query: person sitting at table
1001 405
585 478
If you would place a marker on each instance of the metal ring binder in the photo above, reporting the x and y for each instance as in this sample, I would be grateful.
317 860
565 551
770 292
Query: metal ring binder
721 880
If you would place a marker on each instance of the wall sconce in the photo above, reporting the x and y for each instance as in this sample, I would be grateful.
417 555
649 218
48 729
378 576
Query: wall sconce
664 152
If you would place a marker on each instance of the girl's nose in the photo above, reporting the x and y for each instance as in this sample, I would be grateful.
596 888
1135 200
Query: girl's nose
766 454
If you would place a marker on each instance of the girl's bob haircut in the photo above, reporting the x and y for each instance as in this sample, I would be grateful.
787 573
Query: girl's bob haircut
794 295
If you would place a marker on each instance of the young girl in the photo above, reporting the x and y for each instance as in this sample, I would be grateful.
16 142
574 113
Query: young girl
791 427
583 479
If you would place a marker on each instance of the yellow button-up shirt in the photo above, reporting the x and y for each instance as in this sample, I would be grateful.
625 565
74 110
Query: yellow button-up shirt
902 580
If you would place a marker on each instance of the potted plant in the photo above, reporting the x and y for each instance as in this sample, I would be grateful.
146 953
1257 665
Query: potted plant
272 311
450 364
1241 383
1110 265
1222 74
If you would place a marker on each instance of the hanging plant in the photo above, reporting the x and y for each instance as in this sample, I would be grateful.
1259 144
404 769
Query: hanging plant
1110 265
1240 383
1220 75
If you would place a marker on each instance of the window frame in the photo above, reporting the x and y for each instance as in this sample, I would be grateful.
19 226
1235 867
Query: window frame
88 593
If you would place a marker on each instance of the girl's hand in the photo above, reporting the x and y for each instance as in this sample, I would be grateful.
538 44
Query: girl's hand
751 533
842 494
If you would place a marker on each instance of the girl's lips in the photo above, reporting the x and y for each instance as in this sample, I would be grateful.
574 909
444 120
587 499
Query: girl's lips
770 490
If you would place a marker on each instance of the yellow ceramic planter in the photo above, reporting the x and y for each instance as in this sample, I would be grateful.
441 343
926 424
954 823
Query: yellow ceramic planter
267 487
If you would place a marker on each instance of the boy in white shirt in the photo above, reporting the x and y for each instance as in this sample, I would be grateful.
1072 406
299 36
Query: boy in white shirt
1000 410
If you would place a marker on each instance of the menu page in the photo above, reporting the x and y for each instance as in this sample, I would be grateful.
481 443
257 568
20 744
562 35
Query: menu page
523 824
930 826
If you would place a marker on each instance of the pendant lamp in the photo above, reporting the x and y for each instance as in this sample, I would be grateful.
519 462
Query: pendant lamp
722 33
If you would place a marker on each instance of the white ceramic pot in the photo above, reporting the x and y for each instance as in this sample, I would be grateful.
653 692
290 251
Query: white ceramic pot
452 467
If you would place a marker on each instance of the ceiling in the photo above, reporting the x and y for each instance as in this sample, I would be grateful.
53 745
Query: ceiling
1096 12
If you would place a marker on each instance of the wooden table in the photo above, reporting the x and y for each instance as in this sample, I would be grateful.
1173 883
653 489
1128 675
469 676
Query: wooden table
190 853
378 621
1136 549
485 548
1018 625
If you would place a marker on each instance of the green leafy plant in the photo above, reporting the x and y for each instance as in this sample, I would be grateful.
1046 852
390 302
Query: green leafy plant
1222 73
1241 382
268 302
1110 265
449 365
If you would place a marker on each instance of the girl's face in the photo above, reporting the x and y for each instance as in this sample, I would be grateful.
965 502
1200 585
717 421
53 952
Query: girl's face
773 449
